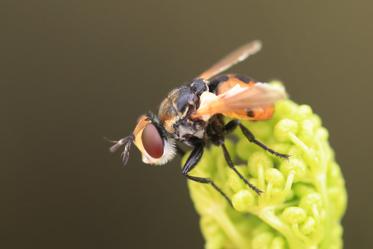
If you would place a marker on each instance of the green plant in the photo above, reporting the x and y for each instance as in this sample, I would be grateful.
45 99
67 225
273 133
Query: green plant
304 197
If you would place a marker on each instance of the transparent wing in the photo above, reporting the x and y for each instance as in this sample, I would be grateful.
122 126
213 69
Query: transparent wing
232 58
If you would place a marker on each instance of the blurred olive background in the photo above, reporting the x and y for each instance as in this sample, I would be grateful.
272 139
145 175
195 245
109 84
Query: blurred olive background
72 72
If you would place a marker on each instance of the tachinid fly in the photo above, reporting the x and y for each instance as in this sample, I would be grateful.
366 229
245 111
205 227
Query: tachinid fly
193 115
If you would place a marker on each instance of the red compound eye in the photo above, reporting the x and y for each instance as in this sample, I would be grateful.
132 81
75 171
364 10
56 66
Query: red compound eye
152 141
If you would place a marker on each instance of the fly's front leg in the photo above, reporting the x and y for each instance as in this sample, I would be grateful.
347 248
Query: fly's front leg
191 162
231 165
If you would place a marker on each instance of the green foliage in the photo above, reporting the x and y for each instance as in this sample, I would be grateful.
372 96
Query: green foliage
304 197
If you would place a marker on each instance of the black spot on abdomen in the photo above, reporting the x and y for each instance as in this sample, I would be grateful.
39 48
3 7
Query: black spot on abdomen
250 113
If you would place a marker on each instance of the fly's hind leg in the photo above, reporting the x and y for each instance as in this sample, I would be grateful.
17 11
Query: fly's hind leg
191 162
250 136
231 165
233 124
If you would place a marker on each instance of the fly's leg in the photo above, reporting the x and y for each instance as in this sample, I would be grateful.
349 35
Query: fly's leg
228 159
231 125
250 136
191 162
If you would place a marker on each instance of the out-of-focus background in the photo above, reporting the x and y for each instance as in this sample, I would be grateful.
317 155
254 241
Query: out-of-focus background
72 72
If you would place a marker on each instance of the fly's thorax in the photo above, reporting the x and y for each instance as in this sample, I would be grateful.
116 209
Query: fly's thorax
180 103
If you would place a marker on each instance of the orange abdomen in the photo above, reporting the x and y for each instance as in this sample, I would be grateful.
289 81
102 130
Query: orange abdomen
230 80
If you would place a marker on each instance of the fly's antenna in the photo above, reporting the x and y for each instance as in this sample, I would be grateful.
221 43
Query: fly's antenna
126 142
